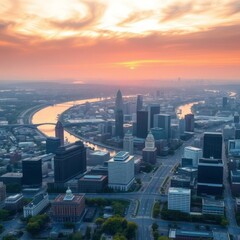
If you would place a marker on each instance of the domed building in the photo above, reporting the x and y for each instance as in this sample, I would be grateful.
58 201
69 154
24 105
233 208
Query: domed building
149 153
68 207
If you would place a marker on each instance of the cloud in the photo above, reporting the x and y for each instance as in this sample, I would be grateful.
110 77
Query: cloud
136 17
93 14
176 10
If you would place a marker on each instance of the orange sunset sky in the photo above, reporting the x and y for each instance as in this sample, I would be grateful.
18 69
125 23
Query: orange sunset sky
119 40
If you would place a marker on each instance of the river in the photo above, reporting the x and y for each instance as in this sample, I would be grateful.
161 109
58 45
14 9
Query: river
50 115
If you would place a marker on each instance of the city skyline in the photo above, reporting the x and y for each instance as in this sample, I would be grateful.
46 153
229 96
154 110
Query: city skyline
102 41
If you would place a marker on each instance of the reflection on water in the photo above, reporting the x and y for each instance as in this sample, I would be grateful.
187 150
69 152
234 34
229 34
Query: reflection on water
185 109
50 115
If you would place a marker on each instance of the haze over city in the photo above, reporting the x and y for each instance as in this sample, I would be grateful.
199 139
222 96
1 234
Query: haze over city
125 42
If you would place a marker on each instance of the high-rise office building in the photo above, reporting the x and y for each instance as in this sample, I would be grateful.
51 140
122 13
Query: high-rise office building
139 102
193 153
224 102
212 145
163 121
189 123
153 109
59 132
210 177
121 171
32 172
149 153
70 161
236 117
52 144
142 124
119 115
128 143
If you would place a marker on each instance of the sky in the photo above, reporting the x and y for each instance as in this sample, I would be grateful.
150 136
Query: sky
119 41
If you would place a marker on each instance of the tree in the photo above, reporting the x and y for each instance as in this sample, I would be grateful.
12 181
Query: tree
4 214
119 237
9 237
77 236
33 227
99 222
1 228
154 226
131 230
224 222
163 238
88 233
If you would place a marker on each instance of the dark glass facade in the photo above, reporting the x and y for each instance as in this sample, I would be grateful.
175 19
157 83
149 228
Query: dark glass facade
212 145
69 162
142 124
32 172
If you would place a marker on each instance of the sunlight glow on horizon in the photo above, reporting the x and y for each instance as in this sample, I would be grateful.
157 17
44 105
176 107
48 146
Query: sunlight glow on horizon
105 38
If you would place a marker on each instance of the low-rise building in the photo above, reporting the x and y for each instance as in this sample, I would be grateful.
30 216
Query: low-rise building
39 202
68 207
179 199
212 207
92 183
14 202
12 178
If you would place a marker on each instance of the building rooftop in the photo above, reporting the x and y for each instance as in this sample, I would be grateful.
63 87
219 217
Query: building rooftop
184 233
93 177
38 158
13 175
77 198
121 156
37 199
210 161
14 197
99 153
193 148
179 190
213 133
181 178
212 202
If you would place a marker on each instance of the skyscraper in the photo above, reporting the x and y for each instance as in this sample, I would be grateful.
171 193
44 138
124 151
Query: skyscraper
153 109
142 124
224 102
32 172
128 143
163 121
52 144
139 102
189 123
119 115
210 177
149 153
59 132
212 145
70 161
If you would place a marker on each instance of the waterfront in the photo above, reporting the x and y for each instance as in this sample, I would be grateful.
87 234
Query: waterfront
50 114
